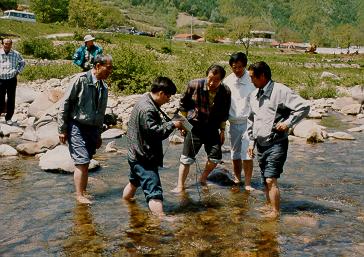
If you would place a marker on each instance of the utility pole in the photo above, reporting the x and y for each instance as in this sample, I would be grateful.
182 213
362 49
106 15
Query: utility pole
191 25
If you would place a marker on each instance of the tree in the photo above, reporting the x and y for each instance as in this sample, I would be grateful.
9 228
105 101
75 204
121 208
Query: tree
240 28
319 35
345 35
213 34
48 11
85 14
8 4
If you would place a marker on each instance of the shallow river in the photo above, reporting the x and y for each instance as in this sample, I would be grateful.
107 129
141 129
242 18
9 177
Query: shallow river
322 209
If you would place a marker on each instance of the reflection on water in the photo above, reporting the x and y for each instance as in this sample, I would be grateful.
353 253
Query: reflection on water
322 214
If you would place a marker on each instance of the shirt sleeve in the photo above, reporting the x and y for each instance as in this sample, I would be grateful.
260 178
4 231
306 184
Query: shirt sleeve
65 107
153 129
21 64
298 106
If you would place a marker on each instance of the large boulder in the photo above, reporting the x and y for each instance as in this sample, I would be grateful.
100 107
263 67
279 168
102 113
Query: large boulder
7 150
357 93
59 159
41 146
44 101
25 95
310 130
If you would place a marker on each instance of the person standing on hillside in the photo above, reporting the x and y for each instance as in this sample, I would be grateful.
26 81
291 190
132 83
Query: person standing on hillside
275 109
205 104
146 131
85 55
80 119
241 87
11 64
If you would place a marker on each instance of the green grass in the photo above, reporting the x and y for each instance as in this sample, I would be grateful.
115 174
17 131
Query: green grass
146 57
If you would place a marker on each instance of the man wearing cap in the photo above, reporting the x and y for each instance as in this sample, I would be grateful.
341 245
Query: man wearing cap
85 55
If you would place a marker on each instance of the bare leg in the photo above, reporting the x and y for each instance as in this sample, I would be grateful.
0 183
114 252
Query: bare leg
129 191
248 172
237 167
208 168
274 197
183 171
80 178
156 207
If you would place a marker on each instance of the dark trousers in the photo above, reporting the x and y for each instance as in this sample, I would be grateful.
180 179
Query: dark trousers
8 87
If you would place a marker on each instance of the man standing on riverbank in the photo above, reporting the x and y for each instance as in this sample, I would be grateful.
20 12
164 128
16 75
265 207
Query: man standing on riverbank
85 55
241 87
11 64
81 117
206 105
146 131
275 109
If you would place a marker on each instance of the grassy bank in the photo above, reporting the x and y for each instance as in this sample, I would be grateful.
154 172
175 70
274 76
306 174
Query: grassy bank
139 59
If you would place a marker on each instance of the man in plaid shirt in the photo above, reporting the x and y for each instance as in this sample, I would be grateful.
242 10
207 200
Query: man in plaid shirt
11 64
206 105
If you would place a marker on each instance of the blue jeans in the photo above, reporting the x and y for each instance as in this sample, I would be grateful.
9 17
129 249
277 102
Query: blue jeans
146 177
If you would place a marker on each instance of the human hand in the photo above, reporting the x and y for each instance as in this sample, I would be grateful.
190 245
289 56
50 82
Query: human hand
222 136
178 124
251 152
281 127
62 138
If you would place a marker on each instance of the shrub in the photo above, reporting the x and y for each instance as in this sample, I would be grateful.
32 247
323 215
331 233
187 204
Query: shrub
35 72
66 51
40 48
134 69
166 50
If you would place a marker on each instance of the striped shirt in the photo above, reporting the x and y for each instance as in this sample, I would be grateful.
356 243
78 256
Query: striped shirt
11 64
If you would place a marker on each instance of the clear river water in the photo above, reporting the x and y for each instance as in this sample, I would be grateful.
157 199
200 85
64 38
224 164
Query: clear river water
322 208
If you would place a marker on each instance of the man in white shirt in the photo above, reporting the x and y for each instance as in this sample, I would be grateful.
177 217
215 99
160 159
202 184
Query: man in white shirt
241 87
275 109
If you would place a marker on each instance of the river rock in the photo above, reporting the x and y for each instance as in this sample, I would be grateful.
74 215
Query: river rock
7 150
38 147
59 159
314 115
49 130
301 221
341 102
25 95
357 93
310 130
6 130
356 129
341 135
176 139
111 147
352 109
44 101
330 75
221 177
112 133
29 134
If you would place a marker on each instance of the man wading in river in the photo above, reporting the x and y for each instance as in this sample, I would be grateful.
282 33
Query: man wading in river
146 131
81 117
275 109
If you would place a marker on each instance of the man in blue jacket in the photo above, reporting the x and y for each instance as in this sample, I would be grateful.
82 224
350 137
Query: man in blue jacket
85 55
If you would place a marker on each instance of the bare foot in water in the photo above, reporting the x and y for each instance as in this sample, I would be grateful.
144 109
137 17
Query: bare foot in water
177 190
83 200
265 208
271 215
249 188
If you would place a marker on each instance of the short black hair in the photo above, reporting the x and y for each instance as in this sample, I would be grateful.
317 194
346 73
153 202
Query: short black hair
260 68
163 84
216 69
238 57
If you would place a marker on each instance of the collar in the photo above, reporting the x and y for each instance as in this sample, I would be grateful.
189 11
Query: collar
2 51
267 89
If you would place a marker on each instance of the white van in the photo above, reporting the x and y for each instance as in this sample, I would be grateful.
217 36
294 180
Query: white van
18 15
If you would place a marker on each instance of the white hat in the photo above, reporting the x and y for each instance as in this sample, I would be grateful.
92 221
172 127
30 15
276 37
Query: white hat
88 38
